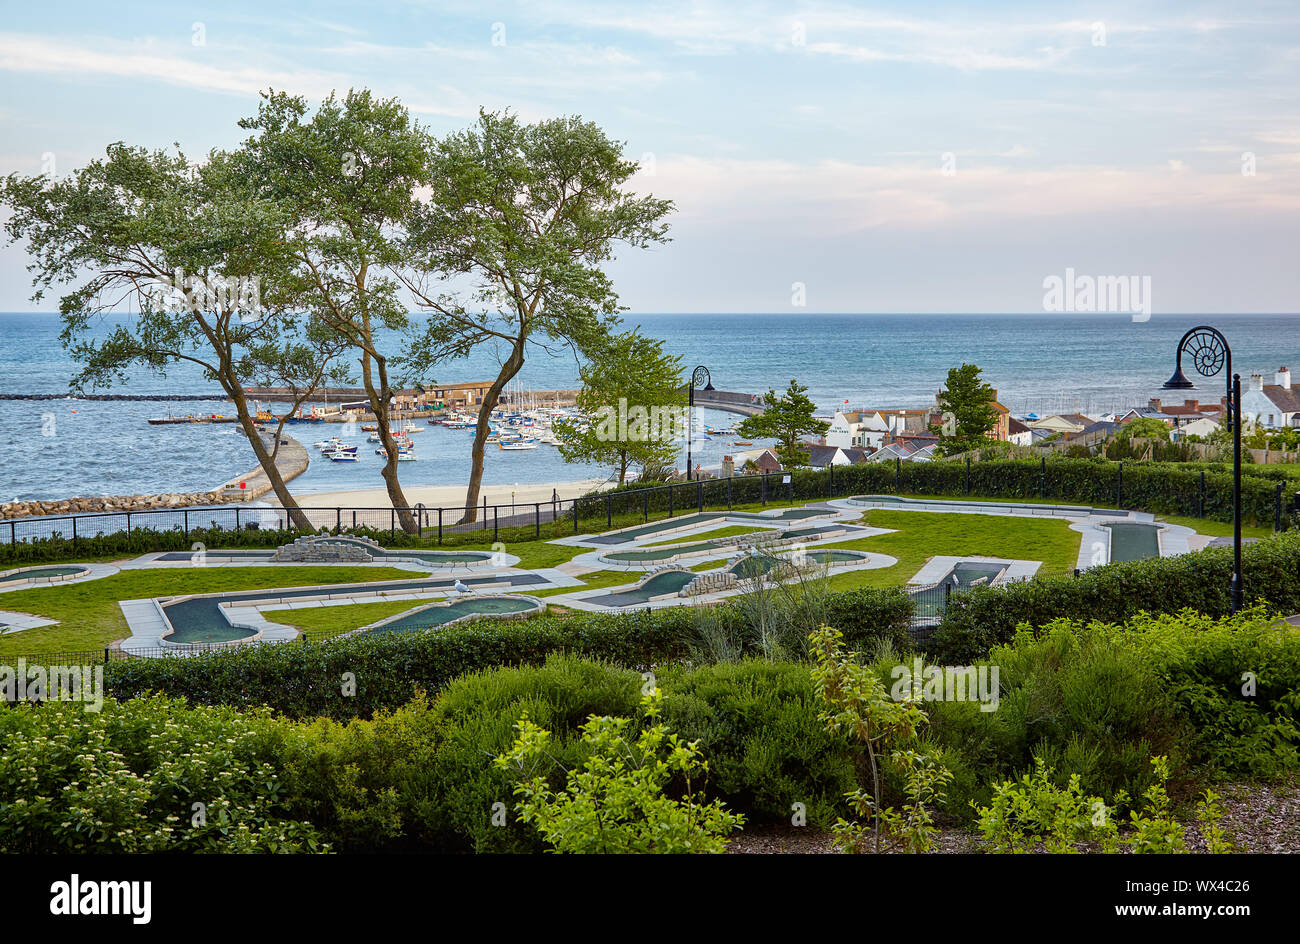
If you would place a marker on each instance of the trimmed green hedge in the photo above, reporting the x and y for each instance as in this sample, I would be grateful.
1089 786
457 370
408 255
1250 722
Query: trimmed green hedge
308 679
979 619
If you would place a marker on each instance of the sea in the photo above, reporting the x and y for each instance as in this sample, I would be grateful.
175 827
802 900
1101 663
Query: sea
1039 363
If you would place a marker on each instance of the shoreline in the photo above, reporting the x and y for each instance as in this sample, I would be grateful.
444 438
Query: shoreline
451 496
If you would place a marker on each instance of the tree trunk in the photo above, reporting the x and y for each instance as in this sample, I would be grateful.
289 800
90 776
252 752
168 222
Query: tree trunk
264 459
379 406
508 371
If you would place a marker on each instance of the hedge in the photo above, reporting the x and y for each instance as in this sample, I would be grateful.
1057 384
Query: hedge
978 619
308 679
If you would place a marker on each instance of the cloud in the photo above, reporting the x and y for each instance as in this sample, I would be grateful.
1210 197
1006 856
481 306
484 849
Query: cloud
149 61
839 197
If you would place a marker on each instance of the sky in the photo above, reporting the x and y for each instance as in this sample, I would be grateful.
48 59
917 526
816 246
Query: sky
832 157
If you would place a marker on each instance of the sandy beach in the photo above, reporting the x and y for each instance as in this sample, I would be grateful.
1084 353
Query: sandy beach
450 496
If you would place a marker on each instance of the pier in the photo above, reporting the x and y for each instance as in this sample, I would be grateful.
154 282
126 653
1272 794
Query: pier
745 404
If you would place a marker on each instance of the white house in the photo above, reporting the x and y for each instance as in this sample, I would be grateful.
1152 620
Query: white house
857 430
1018 433
1271 405
1202 427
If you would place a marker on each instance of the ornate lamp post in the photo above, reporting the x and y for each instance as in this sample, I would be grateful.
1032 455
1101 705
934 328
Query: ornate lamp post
700 377
1210 354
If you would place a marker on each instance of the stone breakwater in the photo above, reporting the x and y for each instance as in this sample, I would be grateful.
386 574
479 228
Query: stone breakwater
292 461
116 504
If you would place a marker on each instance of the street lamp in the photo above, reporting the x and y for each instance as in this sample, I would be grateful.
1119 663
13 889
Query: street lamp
1210 354
700 377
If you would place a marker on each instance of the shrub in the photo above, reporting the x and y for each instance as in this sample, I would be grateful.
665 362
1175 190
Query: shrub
613 802
148 775
421 776
756 724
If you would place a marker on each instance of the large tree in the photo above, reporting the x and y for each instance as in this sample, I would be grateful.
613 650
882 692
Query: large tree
192 244
787 418
508 249
633 403
347 176
968 400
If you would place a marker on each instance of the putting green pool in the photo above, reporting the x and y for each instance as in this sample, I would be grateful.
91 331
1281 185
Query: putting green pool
208 635
439 614
666 583
1131 540
40 573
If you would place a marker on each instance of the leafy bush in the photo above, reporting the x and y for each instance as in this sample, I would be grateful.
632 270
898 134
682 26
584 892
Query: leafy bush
422 777
1097 700
148 775
614 801
307 679
756 724
1035 812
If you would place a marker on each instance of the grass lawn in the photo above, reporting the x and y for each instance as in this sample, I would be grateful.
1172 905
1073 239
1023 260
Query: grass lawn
920 535
89 617
595 580
1216 529
326 621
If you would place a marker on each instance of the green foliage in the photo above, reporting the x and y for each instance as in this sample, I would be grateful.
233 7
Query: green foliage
614 801
857 706
1144 427
420 777
1096 700
787 418
969 400
756 721
1035 813
129 778
634 403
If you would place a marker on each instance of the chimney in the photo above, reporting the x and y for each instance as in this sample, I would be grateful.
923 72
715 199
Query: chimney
1192 404
1256 381
1154 404
1284 378
728 467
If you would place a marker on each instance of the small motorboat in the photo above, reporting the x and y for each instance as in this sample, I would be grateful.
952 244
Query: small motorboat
742 442
410 427
517 444
339 456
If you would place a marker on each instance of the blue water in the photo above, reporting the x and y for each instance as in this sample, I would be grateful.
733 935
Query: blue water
1038 363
